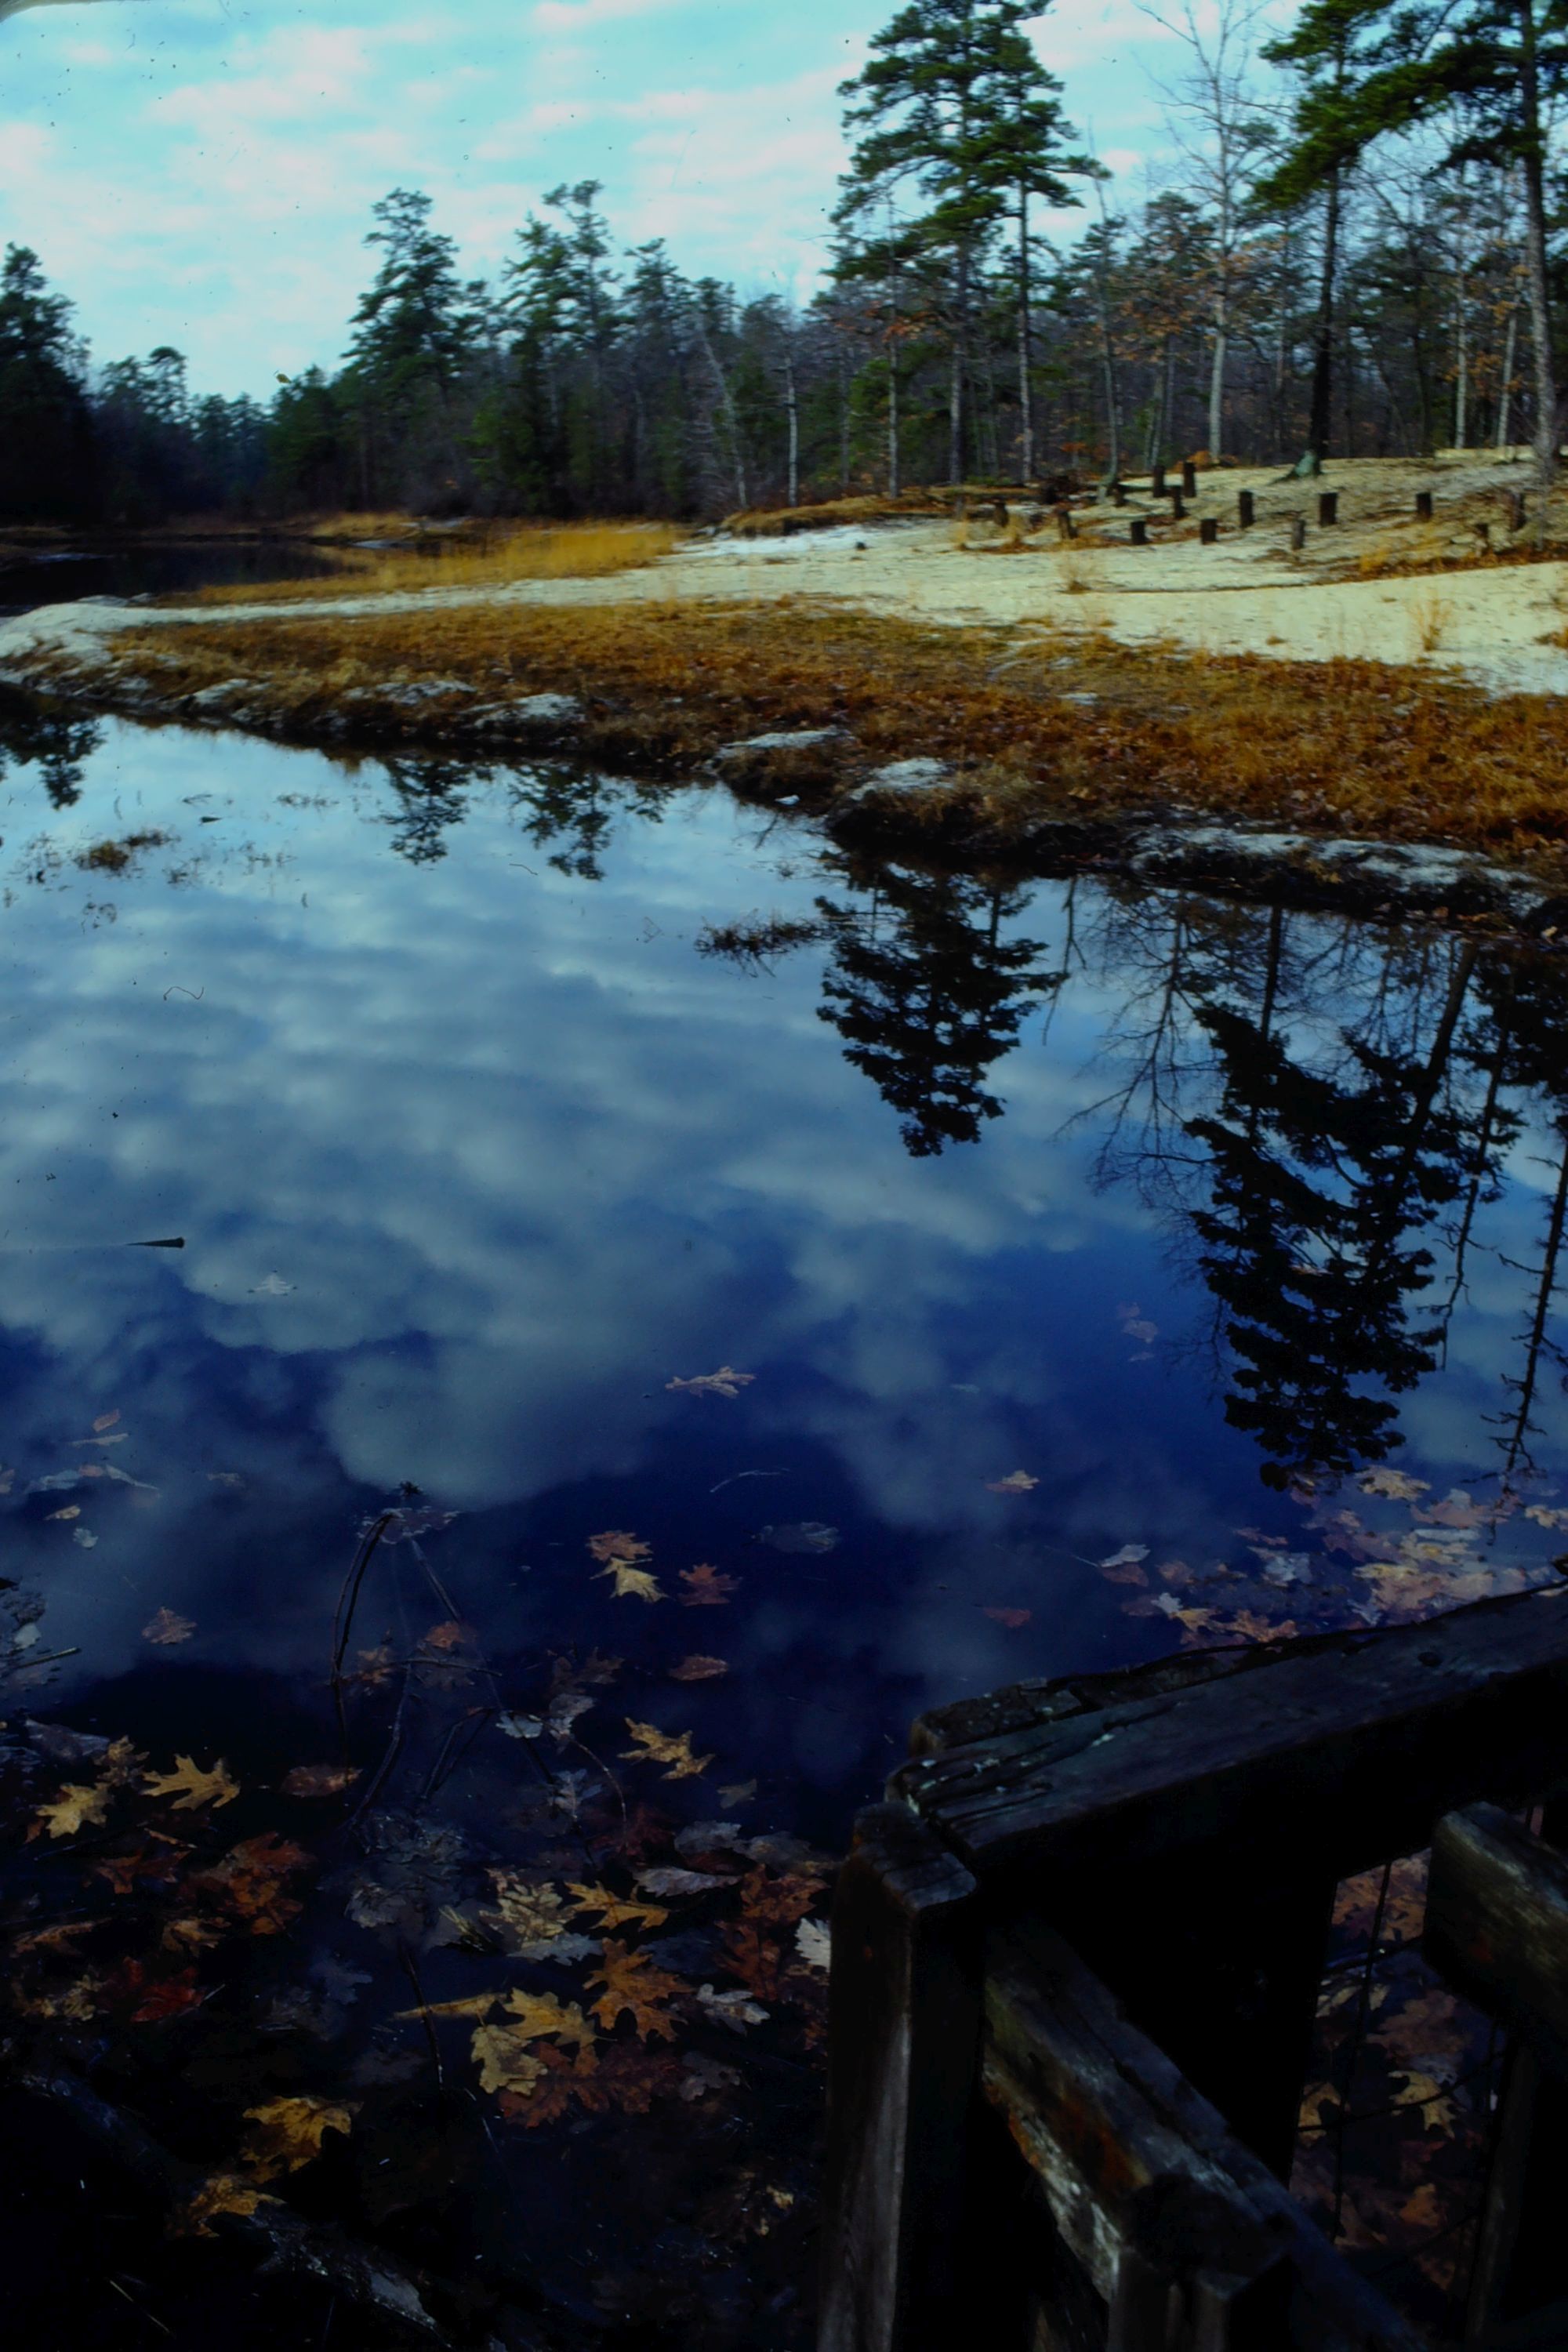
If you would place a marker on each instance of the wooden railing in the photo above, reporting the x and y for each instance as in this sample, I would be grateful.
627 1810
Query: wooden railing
1076 1963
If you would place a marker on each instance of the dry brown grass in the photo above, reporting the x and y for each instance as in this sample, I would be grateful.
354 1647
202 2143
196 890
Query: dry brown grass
779 522
1344 746
492 557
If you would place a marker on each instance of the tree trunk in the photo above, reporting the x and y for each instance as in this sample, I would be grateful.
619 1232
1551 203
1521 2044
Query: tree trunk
1216 380
791 409
892 415
1319 420
1026 389
843 425
956 385
1505 390
1534 160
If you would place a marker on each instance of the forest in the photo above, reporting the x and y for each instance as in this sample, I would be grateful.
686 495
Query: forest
1356 250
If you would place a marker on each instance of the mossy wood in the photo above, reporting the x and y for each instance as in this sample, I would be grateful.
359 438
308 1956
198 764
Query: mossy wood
1183 1826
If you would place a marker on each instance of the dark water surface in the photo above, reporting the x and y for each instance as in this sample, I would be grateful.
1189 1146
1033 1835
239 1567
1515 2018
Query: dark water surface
1106 1272
152 569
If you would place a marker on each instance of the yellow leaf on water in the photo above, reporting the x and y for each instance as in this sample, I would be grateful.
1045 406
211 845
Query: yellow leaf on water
72 1809
699 1669
531 1912
473 2004
289 2132
505 2062
190 1787
656 1746
616 1910
633 1985
634 1583
226 2192
541 2014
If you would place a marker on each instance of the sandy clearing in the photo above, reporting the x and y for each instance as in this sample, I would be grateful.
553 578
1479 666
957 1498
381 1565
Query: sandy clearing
1247 594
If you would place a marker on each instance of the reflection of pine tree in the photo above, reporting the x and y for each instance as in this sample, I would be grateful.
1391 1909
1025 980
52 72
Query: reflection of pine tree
928 1005
429 802
1531 1000
1319 1185
59 743
578 809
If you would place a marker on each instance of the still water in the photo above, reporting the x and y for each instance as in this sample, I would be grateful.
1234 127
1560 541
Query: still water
1085 1273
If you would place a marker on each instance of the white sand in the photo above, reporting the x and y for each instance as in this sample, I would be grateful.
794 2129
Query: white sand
1247 593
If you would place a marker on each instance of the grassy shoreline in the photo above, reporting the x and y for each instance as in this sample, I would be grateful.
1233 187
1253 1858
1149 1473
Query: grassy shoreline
1041 733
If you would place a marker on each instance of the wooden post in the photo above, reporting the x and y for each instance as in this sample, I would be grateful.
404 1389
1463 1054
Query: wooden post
1328 508
1178 510
1118 494
1157 484
999 508
1138 533
1297 534
904 2005
1208 531
1189 478
1065 527
1422 505
1516 510
1245 510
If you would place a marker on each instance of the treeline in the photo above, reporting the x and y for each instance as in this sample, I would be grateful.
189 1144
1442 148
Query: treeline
1357 251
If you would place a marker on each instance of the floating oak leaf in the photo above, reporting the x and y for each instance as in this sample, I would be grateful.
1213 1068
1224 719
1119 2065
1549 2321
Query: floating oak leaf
1011 1617
289 2132
320 1780
157 1998
540 2015
706 1587
449 1636
616 1910
159 1864
73 1810
1130 1556
166 1628
1396 1485
699 1669
190 1787
735 2009
635 1987
656 1746
633 1584
191 1933
814 1943
725 1382
779 1901
224 2192
505 2060
616 1543
531 1912
683 1881
706 2077
1017 1482
757 1959
71 1511
84 1539
105 1421
250 1881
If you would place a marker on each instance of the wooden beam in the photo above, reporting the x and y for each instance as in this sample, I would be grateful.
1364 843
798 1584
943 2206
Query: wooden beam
904 2011
1170 2215
1497 1923
1358 1745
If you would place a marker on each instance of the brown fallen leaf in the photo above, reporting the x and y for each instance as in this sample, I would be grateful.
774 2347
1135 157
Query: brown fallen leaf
224 2192
250 1882
725 1382
71 1511
320 1780
656 1746
1017 1482
105 1421
1011 1617
616 1910
450 1637
635 1987
289 2132
190 1787
541 2015
706 1587
505 2059
166 1628
699 1669
616 1543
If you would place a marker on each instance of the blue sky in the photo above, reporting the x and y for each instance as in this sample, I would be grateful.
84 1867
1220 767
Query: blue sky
201 172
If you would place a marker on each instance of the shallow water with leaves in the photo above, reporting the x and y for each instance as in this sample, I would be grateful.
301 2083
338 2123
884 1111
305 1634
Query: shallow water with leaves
543 1321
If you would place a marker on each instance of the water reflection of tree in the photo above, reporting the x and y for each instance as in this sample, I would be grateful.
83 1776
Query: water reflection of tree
59 743
578 810
928 994
428 805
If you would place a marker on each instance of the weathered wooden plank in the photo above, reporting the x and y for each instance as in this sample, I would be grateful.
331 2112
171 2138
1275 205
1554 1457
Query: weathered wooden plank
1020 1707
1144 2178
1359 1746
904 2007
1497 1923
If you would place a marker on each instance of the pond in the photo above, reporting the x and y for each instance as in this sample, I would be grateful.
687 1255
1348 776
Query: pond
544 1319
151 568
